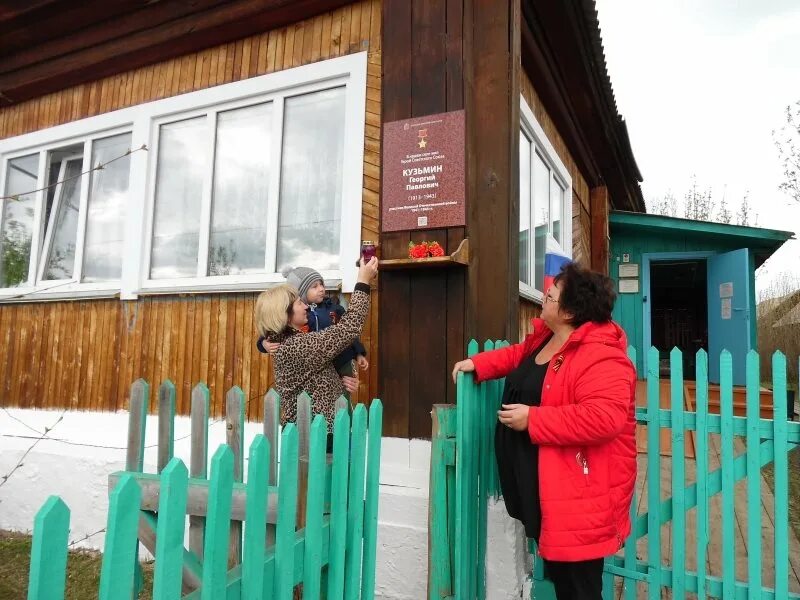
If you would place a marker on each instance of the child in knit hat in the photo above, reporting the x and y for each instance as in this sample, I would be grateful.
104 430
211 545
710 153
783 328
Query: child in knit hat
322 313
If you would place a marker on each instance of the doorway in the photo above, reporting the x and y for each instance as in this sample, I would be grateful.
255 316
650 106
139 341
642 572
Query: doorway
678 310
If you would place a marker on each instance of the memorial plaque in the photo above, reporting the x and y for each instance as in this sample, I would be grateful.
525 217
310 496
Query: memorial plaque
423 173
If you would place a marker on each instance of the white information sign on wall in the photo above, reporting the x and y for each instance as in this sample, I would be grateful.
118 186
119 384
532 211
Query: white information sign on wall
628 286
726 308
629 270
726 290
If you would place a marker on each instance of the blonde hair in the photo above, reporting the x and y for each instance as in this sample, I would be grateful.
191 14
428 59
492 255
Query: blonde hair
273 307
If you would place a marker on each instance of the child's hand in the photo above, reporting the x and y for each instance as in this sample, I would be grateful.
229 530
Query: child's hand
350 383
270 347
362 362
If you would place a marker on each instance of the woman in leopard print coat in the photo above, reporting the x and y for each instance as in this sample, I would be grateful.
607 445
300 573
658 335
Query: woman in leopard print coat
304 361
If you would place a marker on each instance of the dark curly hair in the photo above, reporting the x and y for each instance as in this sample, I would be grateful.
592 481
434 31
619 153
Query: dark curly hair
586 295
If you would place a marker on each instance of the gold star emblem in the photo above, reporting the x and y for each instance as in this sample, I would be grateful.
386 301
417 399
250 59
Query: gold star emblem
422 143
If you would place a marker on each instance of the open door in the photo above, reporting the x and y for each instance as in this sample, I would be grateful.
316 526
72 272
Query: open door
729 311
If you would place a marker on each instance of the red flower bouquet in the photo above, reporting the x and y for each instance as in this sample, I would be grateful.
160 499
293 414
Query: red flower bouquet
425 250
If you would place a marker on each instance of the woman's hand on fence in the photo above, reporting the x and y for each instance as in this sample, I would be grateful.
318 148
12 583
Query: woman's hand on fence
514 416
367 271
466 366
350 383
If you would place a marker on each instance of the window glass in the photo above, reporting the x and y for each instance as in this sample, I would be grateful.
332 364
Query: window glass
64 222
179 188
241 182
108 200
524 209
16 232
311 180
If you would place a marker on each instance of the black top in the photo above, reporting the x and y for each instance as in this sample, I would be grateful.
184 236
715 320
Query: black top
517 457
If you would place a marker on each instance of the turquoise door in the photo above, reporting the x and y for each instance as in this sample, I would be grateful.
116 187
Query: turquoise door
729 311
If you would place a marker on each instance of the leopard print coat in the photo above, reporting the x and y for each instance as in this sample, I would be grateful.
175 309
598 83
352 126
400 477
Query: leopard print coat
304 361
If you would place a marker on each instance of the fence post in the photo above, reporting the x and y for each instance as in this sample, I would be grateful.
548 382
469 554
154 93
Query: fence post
256 518
780 430
171 520
338 518
728 481
198 464
48 569
374 437
315 490
166 424
654 467
134 458
439 567
287 515
753 415
271 432
303 440
234 423
218 514
355 504
119 558
678 407
701 456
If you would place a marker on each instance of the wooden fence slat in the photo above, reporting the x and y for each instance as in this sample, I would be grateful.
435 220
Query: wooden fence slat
119 555
338 518
629 585
198 464
287 515
728 490
256 518
781 476
166 424
137 425
134 458
653 475
234 423
355 503
374 437
701 454
678 475
485 426
48 569
312 560
272 431
439 565
171 522
303 439
753 383
218 523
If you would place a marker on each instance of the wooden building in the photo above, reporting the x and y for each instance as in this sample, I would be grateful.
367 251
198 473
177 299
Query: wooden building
254 130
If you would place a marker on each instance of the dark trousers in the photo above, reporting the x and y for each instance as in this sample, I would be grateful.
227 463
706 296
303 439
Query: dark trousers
576 580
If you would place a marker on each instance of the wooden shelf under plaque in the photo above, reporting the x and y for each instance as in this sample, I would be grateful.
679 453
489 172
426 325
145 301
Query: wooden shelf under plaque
459 257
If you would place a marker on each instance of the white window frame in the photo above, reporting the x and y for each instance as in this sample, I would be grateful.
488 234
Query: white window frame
142 121
539 142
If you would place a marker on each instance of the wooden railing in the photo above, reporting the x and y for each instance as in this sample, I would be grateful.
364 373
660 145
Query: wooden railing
310 518
464 476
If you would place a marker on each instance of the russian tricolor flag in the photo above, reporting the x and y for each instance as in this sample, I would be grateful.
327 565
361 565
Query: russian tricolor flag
553 263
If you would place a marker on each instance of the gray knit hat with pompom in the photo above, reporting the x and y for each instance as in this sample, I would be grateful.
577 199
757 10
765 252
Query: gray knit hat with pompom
302 278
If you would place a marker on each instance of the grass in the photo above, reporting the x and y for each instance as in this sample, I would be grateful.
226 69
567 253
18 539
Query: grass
83 570
794 487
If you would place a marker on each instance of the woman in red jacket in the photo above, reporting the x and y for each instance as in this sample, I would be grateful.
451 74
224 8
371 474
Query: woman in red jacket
565 441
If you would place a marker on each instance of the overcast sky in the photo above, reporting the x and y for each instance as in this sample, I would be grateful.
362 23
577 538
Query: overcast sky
702 84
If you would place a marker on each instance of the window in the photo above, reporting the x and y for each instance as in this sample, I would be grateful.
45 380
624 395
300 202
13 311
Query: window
238 183
545 204
59 225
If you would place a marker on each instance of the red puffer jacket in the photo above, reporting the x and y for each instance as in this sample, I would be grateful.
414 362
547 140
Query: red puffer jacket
585 430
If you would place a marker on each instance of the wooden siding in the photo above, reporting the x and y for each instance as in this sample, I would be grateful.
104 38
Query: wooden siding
84 354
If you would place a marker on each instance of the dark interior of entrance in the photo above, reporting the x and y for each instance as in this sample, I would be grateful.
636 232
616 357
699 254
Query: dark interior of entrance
679 310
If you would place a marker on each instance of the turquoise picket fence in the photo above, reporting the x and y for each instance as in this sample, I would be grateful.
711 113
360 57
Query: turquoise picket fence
308 519
464 476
